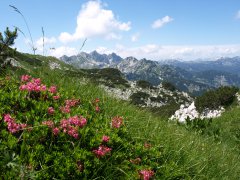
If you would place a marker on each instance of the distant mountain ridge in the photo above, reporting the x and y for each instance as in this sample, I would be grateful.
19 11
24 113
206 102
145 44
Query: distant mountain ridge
193 77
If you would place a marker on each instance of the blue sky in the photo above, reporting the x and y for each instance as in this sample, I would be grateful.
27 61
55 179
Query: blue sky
153 29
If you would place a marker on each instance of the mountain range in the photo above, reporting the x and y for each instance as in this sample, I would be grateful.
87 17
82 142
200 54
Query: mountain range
193 77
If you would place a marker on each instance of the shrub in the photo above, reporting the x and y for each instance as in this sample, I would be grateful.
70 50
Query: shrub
169 86
139 98
144 84
223 96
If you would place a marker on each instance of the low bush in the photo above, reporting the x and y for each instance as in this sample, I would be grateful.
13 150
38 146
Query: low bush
213 99
169 86
139 98
144 84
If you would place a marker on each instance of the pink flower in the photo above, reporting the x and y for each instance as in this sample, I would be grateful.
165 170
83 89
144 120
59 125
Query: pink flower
25 78
7 118
13 127
105 138
43 87
48 123
97 100
97 109
36 81
64 123
51 110
52 89
55 131
146 174
72 102
77 121
23 87
72 131
117 122
56 97
101 151
65 109
83 122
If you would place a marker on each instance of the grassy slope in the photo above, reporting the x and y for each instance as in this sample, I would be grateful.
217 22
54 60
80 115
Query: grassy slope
199 156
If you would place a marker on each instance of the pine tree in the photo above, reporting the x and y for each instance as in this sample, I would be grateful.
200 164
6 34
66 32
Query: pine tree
6 42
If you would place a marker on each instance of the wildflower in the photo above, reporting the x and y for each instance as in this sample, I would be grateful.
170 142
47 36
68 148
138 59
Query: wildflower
55 131
23 87
56 97
7 118
72 131
105 138
25 78
101 151
43 87
51 110
65 109
36 81
72 102
48 123
97 109
52 89
83 122
64 123
13 127
146 174
97 100
117 122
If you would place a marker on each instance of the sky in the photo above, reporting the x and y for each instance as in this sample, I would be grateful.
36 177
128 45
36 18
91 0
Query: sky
152 29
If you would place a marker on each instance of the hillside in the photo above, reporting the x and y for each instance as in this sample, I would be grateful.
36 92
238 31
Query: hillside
170 151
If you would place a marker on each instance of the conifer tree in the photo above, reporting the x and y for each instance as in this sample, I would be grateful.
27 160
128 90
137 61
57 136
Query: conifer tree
6 41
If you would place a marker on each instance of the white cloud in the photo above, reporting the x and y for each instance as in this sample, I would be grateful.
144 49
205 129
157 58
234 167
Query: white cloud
159 52
161 22
113 36
135 37
51 40
238 15
63 50
94 20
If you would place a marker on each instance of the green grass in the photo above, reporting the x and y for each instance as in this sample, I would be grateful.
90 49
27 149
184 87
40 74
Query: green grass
184 154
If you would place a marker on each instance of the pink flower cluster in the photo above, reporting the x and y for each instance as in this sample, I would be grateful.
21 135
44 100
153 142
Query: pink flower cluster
105 138
13 127
53 89
68 104
71 125
117 122
146 174
72 102
97 108
34 84
25 78
51 110
50 124
101 151
56 97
